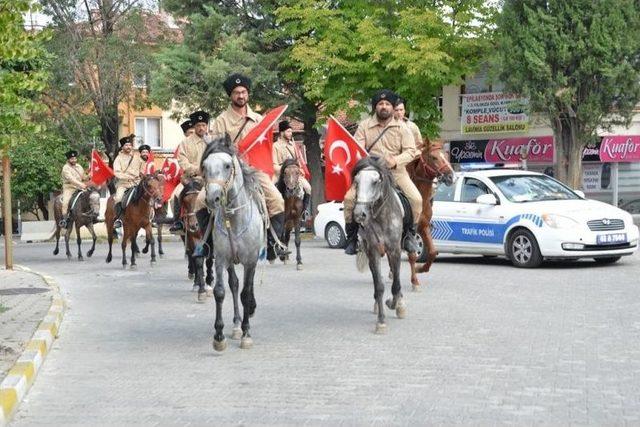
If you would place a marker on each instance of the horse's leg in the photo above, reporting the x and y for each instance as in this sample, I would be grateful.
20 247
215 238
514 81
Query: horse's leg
396 303
248 305
219 341
146 247
109 240
160 251
234 285
191 265
79 241
429 246
93 238
286 237
134 249
209 278
67 236
57 234
198 281
378 288
151 242
298 240
125 237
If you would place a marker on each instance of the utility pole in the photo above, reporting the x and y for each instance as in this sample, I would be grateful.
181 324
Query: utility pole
6 208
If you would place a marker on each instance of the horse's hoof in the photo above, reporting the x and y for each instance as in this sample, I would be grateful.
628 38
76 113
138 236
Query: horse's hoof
208 290
401 310
202 297
144 251
124 266
381 328
285 261
220 345
195 288
271 261
389 303
69 257
191 276
161 256
246 343
89 254
56 251
134 266
299 267
80 258
416 288
236 334
153 263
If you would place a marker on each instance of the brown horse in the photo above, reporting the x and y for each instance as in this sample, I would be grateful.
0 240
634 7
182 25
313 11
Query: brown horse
83 213
426 170
138 214
289 185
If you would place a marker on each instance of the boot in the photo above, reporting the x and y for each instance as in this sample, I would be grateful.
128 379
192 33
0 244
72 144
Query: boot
352 238
305 206
277 223
118 212
410 243
178 225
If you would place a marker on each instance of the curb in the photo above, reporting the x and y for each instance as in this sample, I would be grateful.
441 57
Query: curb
21 376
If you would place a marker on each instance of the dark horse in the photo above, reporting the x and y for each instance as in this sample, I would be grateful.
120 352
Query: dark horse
379 212
83 213
289 186
138 214
426 171
239 236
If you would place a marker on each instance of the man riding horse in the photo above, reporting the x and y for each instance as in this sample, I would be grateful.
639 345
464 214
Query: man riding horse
74 179
283 150
384 136
126 168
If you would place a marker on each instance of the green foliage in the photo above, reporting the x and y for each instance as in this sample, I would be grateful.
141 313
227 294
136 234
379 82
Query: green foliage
22 73
344 51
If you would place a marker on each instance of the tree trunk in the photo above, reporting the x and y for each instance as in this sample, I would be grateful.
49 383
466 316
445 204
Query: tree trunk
568 167
109 122
312 144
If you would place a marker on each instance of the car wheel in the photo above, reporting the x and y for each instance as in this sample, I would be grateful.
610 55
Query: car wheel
334 235
523 249
607 260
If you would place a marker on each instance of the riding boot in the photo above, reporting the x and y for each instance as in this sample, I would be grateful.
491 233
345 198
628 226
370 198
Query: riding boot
277 224
352 238
305 206
410 243
118 213
177 225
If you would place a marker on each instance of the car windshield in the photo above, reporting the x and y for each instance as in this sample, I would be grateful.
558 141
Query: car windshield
532 188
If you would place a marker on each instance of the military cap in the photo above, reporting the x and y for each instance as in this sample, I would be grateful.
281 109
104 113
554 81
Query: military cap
199 117
283 125
127 140
384 95
186 125
144 147
71 153
235 80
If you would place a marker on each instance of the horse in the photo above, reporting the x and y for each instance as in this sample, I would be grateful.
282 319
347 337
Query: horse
137 214
425 171
239 217
289 186
83 213
379 212
159 216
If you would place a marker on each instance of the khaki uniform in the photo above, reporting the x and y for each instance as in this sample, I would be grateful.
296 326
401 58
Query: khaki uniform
126 168
415 131
190 154
285 150
230 122
398 143
73 178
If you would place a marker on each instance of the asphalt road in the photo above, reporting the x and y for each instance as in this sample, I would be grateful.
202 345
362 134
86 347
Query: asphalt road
483 343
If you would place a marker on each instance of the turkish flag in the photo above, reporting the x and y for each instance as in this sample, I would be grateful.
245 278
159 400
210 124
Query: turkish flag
172 173
256 147
150 167
341 153
301 161
100 172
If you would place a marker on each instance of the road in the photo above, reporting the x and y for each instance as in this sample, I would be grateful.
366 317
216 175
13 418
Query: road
482 343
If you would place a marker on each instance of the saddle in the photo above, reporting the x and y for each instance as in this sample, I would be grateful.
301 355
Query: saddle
128 196
407 217
74 199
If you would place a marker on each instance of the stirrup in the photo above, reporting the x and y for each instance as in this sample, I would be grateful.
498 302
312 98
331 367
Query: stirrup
117 223
281 250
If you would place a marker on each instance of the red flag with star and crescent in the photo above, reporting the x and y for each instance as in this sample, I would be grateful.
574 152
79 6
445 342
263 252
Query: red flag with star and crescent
172 173
100 172
256 147
150 167
341 153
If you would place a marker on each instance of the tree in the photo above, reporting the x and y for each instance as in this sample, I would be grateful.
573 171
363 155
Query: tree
578 61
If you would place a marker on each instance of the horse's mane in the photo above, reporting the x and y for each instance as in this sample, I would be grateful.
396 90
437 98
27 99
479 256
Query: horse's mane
376 163
280 185
139 191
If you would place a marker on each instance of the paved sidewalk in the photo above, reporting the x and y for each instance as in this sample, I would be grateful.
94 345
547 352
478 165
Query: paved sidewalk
24 302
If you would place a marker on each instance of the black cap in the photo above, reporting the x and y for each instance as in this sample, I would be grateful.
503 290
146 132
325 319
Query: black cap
71 153
199 117
144 147
384 95
127 139
186 125
283 125
235 80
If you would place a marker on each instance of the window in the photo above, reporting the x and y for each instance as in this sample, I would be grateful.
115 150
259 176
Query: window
148 131
471 189
445 193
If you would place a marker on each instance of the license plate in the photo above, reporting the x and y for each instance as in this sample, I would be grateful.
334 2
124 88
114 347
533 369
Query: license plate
611 239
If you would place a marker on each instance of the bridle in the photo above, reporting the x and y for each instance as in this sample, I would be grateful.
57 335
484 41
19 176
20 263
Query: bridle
432 173
371 204
226 185
292 191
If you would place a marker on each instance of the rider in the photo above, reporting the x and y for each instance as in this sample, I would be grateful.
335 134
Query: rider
126 168
399 112
147 167
390 139
73 178
188 129
284 149
236 121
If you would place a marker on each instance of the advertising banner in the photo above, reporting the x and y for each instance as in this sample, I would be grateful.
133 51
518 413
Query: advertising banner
494 112
506 150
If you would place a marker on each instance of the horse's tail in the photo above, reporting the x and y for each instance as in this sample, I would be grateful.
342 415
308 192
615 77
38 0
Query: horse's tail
362 261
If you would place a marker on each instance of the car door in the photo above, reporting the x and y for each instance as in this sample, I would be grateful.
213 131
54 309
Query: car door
477 227
444 206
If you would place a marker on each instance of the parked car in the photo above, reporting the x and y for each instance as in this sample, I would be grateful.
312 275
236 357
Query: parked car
525 216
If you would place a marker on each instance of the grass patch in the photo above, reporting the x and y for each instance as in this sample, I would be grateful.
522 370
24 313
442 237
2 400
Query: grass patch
3 308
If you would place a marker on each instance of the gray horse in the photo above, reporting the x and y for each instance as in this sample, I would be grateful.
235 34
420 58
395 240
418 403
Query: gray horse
83 213
379 212
238 233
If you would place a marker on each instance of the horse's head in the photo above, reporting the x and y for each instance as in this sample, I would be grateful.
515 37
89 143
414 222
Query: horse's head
188 197
94 200
435 163
291 174
220 168
372 181
153 187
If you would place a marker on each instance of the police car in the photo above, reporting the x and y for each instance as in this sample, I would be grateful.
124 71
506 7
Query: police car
525 216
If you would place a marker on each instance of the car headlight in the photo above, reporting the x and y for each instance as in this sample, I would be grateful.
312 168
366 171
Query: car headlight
559 221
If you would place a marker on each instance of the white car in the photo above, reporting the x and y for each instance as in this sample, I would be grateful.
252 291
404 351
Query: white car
525 216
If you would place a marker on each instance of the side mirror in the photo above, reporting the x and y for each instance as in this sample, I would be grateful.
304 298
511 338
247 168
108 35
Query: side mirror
487 199
580 193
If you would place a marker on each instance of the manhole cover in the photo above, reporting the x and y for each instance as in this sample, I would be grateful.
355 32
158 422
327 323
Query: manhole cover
23 291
